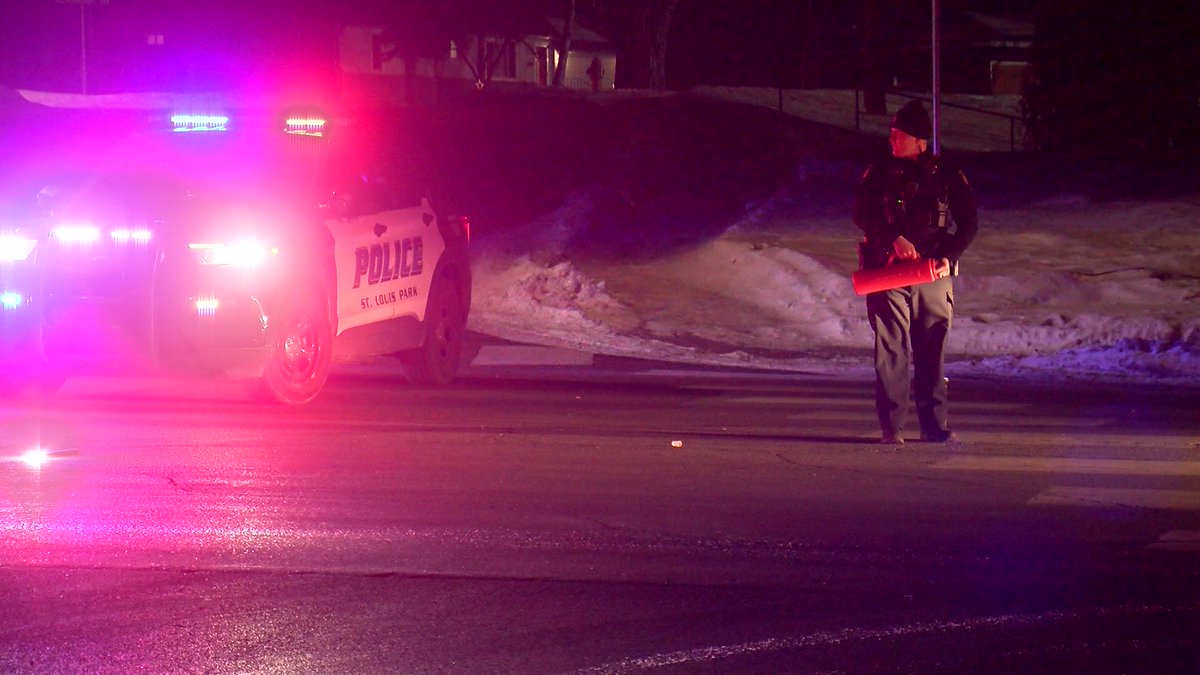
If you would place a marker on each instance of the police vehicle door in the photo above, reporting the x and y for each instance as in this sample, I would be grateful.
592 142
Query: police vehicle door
385 248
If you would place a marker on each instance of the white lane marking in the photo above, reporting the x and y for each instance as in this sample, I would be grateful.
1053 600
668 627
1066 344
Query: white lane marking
769 378
1178 540
792 400
1032 421
530 355
824 638
829 416
850 411
1081 465
749 395
1059 495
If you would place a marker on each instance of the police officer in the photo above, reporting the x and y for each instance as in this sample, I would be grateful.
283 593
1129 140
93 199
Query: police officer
911 205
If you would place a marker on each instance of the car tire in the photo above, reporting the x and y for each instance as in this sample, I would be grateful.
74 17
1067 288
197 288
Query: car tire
436 361
300 339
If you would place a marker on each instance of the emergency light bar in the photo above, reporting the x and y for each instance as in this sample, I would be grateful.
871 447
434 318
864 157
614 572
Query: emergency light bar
305 126
187 123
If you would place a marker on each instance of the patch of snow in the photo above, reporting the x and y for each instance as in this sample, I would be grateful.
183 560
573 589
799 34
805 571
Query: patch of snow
1065 288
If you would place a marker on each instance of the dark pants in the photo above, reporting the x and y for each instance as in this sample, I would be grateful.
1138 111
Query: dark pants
917 317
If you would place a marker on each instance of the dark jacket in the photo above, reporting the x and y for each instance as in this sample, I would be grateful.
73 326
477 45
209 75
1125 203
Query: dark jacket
902 197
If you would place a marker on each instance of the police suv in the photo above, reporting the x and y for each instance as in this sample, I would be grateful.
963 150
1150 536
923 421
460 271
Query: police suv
250 245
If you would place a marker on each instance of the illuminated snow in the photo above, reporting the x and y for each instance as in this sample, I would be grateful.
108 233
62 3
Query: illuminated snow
1061 289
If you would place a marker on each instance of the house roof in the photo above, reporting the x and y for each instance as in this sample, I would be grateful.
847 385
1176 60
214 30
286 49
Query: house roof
1005 27
578 31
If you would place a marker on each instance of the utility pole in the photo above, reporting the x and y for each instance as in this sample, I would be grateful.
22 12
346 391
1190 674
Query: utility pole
936 87
83 6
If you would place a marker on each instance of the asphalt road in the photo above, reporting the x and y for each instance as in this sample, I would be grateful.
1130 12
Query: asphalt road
582 519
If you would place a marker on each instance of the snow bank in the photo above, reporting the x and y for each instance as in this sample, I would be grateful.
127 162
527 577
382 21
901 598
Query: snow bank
1066 289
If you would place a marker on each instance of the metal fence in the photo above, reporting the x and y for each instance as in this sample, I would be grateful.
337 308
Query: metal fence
1014 121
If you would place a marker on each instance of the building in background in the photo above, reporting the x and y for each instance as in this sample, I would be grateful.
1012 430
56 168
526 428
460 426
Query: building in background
374 57
1005 44
102 46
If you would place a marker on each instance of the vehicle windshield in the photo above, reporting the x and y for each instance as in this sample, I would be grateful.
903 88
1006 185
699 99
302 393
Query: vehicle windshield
231 163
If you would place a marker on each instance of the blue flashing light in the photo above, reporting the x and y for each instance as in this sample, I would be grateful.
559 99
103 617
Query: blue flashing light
11 300
186 123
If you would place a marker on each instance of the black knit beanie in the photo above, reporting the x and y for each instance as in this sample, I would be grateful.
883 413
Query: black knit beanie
913 120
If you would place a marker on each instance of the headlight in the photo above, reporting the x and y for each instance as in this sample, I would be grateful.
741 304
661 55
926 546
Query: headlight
245 254
14 247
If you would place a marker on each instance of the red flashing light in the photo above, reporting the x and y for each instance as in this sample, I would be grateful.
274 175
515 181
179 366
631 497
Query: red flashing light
305 126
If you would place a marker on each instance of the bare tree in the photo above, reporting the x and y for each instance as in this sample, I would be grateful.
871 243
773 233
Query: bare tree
641 29
493 30
411 33
1123 66
874 68
564 44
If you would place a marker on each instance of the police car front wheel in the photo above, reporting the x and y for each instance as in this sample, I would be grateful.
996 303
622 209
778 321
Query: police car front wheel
301 340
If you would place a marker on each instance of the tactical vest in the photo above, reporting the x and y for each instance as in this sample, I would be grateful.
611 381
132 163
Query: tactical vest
900 193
